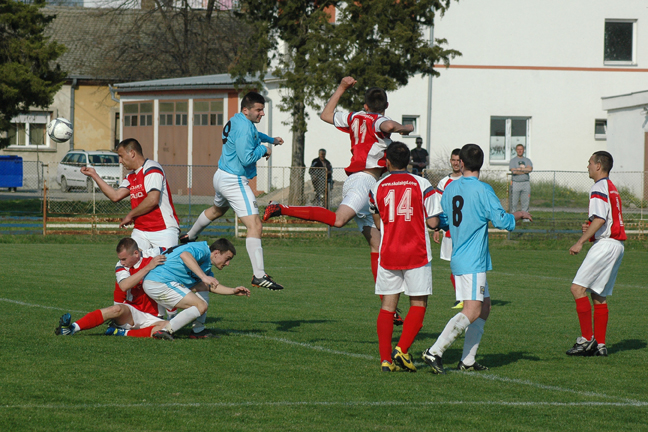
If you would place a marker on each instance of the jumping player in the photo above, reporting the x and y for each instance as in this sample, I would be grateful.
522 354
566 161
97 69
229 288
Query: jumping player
237 165
599 269
470 205
401 203
446 242
152 211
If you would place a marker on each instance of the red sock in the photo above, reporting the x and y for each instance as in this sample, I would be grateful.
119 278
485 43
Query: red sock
600 322
141 333
91 320
318 214
374 265
411 326
385 326
452 279
584 310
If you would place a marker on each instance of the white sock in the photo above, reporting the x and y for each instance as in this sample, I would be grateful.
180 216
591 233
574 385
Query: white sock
199 324
75 328
450 333
255 251
474 334
183 318
200 224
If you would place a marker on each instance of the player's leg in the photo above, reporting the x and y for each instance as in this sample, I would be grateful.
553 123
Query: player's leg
601 315
473 337
255 251
193 306
205 218
198 330
92 319
175 295
385 330
166 238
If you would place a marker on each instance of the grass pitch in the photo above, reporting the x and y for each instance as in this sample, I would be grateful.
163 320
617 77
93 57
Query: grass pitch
307 358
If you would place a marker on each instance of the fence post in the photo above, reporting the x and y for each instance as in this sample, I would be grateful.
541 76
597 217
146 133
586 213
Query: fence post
553 205
44 207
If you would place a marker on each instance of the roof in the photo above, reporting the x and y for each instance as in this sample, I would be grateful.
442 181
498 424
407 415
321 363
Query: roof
217 81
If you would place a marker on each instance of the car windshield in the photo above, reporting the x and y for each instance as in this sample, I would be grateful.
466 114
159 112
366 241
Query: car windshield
104 159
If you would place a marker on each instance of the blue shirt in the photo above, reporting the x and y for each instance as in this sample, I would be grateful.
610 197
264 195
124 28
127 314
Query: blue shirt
175 270
242 147
470 205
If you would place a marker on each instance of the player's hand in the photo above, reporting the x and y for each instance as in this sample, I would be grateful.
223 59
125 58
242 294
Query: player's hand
88 171
241 291
210 282
278 141
436 236
128 220
268 152
347 82
407 129
575 249
156 261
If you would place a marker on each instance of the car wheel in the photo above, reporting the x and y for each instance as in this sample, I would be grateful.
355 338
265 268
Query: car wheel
64 185
89 185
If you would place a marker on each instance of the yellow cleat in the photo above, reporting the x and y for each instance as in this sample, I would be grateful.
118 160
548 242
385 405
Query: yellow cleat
402 360
457 305
389 367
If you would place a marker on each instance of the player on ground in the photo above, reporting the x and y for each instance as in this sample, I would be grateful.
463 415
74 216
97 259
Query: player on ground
152 211
401 203
237 165
470 205
187 268
599 269
446 242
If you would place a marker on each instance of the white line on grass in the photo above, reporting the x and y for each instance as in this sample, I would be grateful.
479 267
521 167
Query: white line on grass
40 306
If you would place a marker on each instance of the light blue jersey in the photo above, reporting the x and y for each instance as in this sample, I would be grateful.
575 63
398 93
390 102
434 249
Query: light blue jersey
175 270
242 147
470 204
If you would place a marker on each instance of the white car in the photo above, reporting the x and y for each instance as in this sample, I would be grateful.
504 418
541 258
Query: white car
106 164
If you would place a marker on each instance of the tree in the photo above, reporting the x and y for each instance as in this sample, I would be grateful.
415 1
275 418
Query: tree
379 42
28 75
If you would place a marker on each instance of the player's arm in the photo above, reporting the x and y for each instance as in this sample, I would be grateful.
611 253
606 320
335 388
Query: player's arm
133 280
248 149
148 204
223 290
265 138
596 225
391 126
329 110
193 265
113 194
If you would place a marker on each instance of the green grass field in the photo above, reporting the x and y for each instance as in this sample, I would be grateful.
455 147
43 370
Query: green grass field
307 358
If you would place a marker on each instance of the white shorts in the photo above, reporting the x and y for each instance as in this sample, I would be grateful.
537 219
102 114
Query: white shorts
471 287
412 282
166 294
355 194
149 239
140 319
599 269
446 248
234 191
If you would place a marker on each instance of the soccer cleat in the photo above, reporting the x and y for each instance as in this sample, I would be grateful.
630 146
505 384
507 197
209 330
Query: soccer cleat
388 367
403 360
203 334
114 331
163 335
272 210
65 327
184 239
583 347
398 320
476 367
266 282
434 361
458 305
601 351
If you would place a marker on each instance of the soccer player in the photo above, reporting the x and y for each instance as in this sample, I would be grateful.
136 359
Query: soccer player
237 165
369 131
446 242
152 212
187 268
469 205
599 269
401 203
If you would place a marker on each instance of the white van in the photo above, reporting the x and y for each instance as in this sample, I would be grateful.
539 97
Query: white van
106 164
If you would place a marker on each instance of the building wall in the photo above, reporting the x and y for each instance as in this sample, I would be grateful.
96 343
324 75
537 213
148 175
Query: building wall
94 114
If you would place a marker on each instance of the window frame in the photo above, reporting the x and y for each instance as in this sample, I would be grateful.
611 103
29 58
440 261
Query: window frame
36 117
508 145
633 61
414 120
603 136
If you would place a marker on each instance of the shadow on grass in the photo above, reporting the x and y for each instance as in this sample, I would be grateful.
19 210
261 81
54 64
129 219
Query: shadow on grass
627 345
288 325
499 302
496 360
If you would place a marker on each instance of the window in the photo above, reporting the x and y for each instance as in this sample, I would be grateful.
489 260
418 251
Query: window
145 111
130 114
28 130
411 120
208 113
600 129
620 42
506 133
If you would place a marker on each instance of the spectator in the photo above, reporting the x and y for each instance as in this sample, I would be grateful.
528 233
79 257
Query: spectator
321 179
520 167
420 158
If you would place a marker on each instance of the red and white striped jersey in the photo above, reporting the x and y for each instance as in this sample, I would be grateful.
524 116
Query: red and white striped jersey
136 296
443 184
404 203
368 142
605 203
147 178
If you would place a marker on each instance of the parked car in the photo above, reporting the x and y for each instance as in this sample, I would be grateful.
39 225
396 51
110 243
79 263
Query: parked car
106 164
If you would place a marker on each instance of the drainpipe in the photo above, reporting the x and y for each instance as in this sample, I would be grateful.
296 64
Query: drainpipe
428 131
74 84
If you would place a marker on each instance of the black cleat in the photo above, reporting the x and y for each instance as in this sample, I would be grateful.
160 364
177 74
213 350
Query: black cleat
65 327
163 335
266 282
475 367
398 320
601 351
184 239
434 361
271 211
583 347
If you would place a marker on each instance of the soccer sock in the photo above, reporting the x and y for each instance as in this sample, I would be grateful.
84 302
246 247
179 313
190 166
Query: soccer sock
199 323
91 320
200 224
374 264
411 326
255 252
452 279
600 322
385 327
318 214
474 334
140 333
584 310
183 318
450 333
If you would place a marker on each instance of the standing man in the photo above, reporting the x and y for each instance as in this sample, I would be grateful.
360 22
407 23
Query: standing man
446 243
152 211
598 271
322 180
420 158
520 167
470 205
236 167
401 203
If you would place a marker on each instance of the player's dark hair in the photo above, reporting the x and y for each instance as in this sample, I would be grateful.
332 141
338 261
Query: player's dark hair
605 159
222 245
472 157
455 152
376 100
130 144
127 244
250 99
398 154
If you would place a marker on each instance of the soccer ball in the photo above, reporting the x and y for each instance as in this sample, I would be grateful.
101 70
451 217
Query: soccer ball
59 130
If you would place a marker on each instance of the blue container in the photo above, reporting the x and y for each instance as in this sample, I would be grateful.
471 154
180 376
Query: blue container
11 172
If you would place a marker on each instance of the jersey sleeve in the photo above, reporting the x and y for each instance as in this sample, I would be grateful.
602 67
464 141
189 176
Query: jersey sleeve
598 203
265 138
125 183
432 198
496 213
342 120
153 179
121 272
153 252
